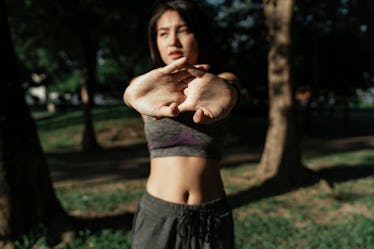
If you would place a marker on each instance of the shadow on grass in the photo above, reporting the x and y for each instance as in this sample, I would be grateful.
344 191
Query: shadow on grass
345 173
97 224
332 175
126 162
122 163
336 174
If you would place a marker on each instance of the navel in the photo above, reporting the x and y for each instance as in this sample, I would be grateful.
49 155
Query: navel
186 196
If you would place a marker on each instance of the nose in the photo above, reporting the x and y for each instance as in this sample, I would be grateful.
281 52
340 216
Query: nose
174 40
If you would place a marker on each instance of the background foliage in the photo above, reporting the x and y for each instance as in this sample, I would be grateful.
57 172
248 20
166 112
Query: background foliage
331 42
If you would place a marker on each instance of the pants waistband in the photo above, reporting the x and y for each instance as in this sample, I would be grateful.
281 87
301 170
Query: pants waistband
156 205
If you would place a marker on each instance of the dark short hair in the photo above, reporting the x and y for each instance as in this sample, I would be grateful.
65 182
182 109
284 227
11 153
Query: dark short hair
198 22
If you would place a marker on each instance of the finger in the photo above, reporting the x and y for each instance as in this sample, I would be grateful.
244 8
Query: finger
188 80
202 116
185 106
182 108
195 71
177 64
207 120
204 67
180 75
189 70
181 97
182 85
198 116
168 111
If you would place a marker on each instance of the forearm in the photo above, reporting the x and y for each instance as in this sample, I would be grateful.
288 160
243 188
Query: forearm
127 93
234 82
126 98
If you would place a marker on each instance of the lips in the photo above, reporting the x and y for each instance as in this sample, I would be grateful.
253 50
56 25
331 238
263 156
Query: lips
176 54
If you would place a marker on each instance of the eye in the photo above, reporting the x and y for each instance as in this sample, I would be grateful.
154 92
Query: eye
183 30
162 34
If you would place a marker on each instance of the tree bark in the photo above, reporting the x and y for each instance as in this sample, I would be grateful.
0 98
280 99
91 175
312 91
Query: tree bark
281 158
27 198
88 78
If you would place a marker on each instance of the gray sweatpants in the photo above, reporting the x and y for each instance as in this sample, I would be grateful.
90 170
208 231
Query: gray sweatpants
159 224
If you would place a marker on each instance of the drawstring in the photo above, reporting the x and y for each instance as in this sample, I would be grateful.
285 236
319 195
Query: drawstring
202 225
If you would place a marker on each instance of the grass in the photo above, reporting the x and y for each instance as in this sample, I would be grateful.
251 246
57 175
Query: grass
83 199
306 218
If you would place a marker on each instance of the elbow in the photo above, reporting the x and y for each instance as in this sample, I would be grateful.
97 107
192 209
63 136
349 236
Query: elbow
125 98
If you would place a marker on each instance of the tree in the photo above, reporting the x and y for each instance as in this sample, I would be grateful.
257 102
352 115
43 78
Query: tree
73 33
27 198
281 159
242 39
331 46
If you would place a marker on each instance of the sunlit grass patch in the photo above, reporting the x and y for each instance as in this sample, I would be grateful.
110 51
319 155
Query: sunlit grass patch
349 158
80 201
257 232
113 197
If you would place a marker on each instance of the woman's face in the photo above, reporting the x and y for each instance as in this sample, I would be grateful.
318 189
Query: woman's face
175 40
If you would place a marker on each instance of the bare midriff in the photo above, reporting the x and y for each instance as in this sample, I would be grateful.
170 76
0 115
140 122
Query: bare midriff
185 180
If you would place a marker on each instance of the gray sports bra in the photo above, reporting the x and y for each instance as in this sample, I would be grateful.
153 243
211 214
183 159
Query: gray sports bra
181 136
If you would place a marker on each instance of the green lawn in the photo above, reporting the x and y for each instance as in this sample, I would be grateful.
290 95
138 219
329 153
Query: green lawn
312 217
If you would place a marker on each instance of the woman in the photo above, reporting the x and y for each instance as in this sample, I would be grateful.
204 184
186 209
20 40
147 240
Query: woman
184 103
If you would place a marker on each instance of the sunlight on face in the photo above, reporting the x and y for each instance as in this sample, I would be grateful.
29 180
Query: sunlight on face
175 39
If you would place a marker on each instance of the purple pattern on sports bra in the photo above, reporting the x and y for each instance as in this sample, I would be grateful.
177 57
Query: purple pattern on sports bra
185 138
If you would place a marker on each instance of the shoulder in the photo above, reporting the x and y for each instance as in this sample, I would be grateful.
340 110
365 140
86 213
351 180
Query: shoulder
227 76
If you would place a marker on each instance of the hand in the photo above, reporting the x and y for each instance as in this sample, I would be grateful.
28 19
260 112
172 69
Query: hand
210 96
159 92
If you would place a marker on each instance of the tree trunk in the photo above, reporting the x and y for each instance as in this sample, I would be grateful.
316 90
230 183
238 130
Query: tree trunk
27 198
281 159
88 78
